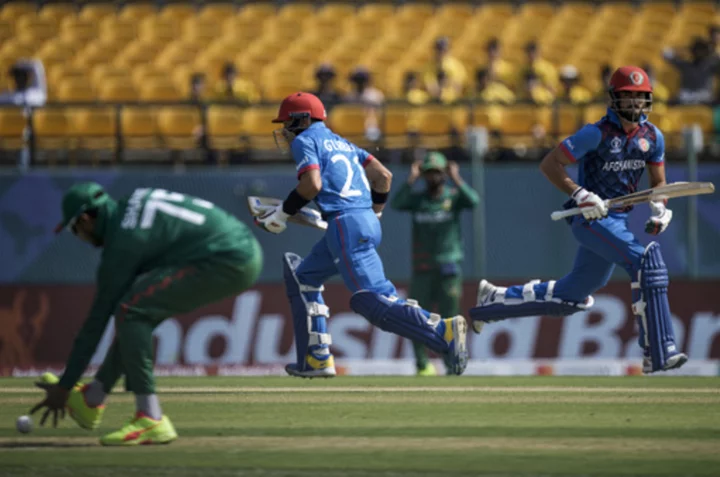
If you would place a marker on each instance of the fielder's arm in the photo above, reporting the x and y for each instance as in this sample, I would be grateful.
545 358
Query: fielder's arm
380 179
115 277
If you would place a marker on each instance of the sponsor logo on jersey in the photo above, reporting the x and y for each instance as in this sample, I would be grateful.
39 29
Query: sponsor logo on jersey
627 165
434 217
130 219
334 145
569 144
615 145
644 144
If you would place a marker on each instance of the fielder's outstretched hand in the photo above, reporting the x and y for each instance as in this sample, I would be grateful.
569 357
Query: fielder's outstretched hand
55 401
659 220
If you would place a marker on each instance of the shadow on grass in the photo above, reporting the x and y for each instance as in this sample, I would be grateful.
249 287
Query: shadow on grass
28 444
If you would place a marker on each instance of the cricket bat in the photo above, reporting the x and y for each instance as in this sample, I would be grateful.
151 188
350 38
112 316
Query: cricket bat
306 216
668 191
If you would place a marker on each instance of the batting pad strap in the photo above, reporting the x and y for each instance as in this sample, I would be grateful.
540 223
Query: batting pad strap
317 309
308 288
529 290
318 339
550 290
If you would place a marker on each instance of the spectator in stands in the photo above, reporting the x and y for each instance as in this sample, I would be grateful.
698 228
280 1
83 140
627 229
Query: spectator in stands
446 92
363 92
30 84
697 74
714 38
455 75
534 91
413 91
545 71
233 87
661 93
197 88
602 92
489 90
500 69
325 77
571 91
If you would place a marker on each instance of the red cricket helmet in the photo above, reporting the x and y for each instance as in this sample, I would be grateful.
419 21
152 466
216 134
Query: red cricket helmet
630 79
299 104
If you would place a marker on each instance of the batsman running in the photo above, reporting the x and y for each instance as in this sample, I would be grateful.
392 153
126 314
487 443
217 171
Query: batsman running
350 187
612 155
163 254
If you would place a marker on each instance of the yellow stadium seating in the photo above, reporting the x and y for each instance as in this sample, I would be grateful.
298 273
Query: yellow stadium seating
116 90
217 12
97 11
159 90
680 117
594 112
56 73
36 27
561 121
161 29
94 128
116 30
137 11
139 128
14 10
488 117
52 129
256 12
294 11
178 126
517 124
75 90
201 30
225 128
259 127
12 126
177 53
349 122
78 30
396 125
177 12
436 123
57 11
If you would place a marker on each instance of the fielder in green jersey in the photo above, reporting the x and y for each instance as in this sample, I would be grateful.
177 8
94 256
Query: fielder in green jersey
437 241
164 254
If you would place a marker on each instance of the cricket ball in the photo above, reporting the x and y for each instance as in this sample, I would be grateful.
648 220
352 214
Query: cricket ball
24 424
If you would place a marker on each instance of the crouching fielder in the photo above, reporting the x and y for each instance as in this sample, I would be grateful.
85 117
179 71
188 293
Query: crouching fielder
611 155
350 187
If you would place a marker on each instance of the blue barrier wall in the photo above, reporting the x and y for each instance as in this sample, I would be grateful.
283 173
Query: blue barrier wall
521 239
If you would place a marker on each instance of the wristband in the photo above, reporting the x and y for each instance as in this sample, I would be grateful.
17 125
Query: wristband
379 197
294 202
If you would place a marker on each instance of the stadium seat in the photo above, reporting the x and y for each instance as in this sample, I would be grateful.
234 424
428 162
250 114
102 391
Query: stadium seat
7 30
57 11
137 11
594 112
375 11
139 128
225 128
348 121
681 117
395 126
259 127
177 12
97 11
57 73
217 12
158 29
177 126
159 90
94 128
118 31
78 30
75 90
117 90
488 117
35 27
201 31
562 121
14 10
177 53
51 128
256 12
94 54
12 126
437 124
293 11
517 124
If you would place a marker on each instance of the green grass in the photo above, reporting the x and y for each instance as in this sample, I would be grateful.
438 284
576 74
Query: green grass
276 427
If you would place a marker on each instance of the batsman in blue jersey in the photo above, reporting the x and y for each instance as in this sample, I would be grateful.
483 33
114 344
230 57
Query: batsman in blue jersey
612 155
350 187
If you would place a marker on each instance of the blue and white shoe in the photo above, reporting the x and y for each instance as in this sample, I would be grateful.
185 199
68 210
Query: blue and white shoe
484 294
315 367
454 331
673 362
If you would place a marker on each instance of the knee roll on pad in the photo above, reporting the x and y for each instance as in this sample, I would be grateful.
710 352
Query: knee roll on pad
652 307
406 319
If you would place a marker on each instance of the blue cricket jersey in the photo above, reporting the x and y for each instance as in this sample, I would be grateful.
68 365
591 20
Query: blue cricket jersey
611 161
342 168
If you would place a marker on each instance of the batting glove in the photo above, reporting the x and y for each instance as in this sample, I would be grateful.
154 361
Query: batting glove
273 221
659 220
592 206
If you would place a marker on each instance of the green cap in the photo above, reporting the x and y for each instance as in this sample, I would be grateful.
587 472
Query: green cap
78 199
434 161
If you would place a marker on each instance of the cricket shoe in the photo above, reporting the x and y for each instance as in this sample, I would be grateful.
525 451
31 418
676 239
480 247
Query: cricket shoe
484 294
673 362
315 367
428 370
454 331
86 416
142 430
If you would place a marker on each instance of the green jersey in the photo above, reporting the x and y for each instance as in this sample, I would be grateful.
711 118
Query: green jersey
151 229
436 223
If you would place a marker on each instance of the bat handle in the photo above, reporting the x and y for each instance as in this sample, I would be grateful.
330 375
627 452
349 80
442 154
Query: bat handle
562 214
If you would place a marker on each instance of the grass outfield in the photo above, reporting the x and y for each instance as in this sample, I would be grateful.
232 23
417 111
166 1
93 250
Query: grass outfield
390 426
